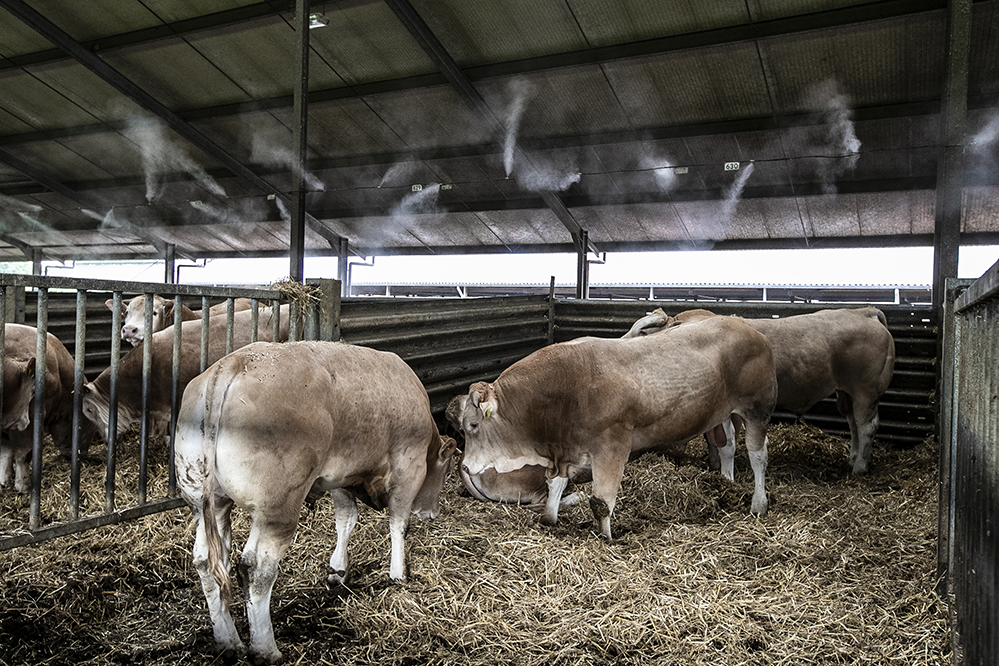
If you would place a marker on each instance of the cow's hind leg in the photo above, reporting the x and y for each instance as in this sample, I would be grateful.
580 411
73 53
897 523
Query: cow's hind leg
608 462
346 519
267 543
756 444
862 415
721 448
227 639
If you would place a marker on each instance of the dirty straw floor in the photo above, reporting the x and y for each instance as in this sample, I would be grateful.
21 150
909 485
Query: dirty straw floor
841 571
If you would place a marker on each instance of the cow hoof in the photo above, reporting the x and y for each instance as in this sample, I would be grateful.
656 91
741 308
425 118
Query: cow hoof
337 578
231 656
268 660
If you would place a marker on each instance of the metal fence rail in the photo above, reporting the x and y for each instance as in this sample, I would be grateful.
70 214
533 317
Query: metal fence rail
969 466
74 311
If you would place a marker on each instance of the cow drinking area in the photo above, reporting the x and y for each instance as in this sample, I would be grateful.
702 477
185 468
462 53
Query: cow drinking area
841 570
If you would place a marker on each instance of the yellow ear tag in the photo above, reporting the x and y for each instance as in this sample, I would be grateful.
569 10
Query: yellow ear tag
489 411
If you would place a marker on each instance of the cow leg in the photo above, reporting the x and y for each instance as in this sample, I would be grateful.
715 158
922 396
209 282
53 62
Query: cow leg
6 465
608 463
556 486
345 508
267 543
862 415
227 639
756 443
21 444
721 448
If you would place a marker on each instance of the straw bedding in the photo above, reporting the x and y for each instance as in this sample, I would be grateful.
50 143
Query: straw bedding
841 571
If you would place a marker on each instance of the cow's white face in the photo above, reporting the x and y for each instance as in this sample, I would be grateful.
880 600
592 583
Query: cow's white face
491 442
97 410
19 390
133 330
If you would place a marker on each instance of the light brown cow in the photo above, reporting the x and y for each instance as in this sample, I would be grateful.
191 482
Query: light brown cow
96 395
133 329
269 424
849 352
19 368
592 403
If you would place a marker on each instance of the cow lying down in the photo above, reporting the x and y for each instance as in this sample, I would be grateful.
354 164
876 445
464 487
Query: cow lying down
19 369
133 329
849 352
591 403
270 423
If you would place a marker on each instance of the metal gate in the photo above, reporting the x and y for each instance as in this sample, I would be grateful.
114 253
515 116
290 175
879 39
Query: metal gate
75 312
969 466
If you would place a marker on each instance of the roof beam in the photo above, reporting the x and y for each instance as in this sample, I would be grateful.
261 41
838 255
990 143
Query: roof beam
127 87
163 31
422 33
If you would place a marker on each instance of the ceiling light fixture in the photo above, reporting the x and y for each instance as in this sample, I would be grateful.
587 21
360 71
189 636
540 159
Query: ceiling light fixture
318 21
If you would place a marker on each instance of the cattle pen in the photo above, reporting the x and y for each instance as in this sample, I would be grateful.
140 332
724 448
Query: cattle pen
842 570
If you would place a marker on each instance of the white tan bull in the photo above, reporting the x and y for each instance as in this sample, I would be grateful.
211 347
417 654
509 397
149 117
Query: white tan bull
133 328
849 352
19 371
97 394
269 424
591 403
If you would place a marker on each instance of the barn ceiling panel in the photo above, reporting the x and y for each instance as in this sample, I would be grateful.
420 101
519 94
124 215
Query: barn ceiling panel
626 113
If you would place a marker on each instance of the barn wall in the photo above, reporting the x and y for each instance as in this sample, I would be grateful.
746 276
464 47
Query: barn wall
969 501
907 409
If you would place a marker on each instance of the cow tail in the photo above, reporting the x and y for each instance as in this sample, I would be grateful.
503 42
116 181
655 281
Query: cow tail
889 367
210 431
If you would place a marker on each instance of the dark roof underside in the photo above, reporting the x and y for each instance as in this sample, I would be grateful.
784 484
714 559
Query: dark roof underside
510 114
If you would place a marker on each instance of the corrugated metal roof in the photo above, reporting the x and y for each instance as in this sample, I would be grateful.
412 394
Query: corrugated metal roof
831 107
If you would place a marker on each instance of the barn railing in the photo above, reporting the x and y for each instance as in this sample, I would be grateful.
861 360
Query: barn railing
74 310
969 466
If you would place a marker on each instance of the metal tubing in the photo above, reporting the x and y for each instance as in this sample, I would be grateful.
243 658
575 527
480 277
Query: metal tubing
204 333
147 373
112 433
79 357
254 319
41 366
230 312
175 396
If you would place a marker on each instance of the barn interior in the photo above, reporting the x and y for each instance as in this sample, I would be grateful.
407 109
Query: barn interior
211 129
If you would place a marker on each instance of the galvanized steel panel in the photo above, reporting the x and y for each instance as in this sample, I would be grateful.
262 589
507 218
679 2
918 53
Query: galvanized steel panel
606 23
690 86
430 117
482 31
364 41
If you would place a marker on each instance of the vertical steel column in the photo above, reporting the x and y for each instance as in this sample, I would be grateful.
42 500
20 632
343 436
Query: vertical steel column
950 171
582 242
170 264
342 274
36 262
147 378
300 138
175 396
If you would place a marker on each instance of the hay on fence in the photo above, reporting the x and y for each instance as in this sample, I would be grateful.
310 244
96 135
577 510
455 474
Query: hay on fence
840 571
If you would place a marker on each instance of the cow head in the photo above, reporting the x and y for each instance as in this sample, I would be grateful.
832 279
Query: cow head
18 391
658 321
97 409
133 329
427 504
527 485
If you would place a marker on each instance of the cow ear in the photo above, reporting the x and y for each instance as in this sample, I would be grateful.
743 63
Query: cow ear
168 311
110 304
29 368
474 398
448 447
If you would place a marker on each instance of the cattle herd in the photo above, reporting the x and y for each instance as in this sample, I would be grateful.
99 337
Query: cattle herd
273 423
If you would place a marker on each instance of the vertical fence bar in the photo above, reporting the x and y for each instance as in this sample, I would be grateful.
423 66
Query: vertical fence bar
3 339
41 366
294 316
254 319
276 320
175 397
112 433
147 373
204 333
230 312
79 359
